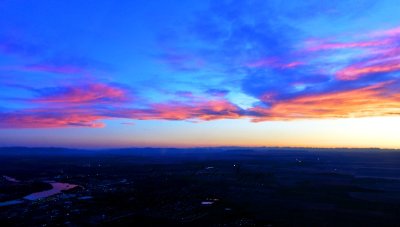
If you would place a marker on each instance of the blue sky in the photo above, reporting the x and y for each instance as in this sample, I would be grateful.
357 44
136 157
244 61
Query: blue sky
199 73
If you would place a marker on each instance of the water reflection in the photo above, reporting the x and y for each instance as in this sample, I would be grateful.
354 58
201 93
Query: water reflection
11 202
57 188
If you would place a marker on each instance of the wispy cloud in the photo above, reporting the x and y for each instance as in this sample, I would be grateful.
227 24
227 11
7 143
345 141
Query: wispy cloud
320 46
67 106
87 105
94 93
49 118
356 71
258 49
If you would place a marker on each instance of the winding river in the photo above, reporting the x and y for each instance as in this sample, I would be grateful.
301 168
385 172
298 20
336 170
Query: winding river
58 187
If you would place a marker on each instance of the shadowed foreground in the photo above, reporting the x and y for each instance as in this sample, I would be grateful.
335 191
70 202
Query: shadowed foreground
200 187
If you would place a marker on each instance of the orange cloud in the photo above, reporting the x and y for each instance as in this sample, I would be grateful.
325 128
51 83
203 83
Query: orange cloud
68 107
49 119
205 110
354 72
363 102
88 116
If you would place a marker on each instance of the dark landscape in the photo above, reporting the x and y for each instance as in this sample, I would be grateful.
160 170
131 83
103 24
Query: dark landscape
226 186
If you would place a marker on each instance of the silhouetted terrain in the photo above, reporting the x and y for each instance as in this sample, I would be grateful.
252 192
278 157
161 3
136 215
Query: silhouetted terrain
200 187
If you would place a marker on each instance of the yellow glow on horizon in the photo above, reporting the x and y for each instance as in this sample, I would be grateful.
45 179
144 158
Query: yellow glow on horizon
380 132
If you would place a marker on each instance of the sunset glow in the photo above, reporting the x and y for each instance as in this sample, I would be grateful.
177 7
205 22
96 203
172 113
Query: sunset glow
200 73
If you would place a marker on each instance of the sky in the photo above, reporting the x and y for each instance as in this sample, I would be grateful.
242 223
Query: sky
192 73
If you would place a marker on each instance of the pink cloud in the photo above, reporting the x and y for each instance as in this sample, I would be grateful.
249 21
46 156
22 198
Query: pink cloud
89 116
355 71
200 110
87 94
374 100
387 32
69 107
379 54
317 46
42 118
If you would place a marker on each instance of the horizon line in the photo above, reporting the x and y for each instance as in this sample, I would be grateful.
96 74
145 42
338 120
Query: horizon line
198 147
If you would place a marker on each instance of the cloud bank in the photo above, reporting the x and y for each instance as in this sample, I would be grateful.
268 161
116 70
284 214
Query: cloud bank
285 61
